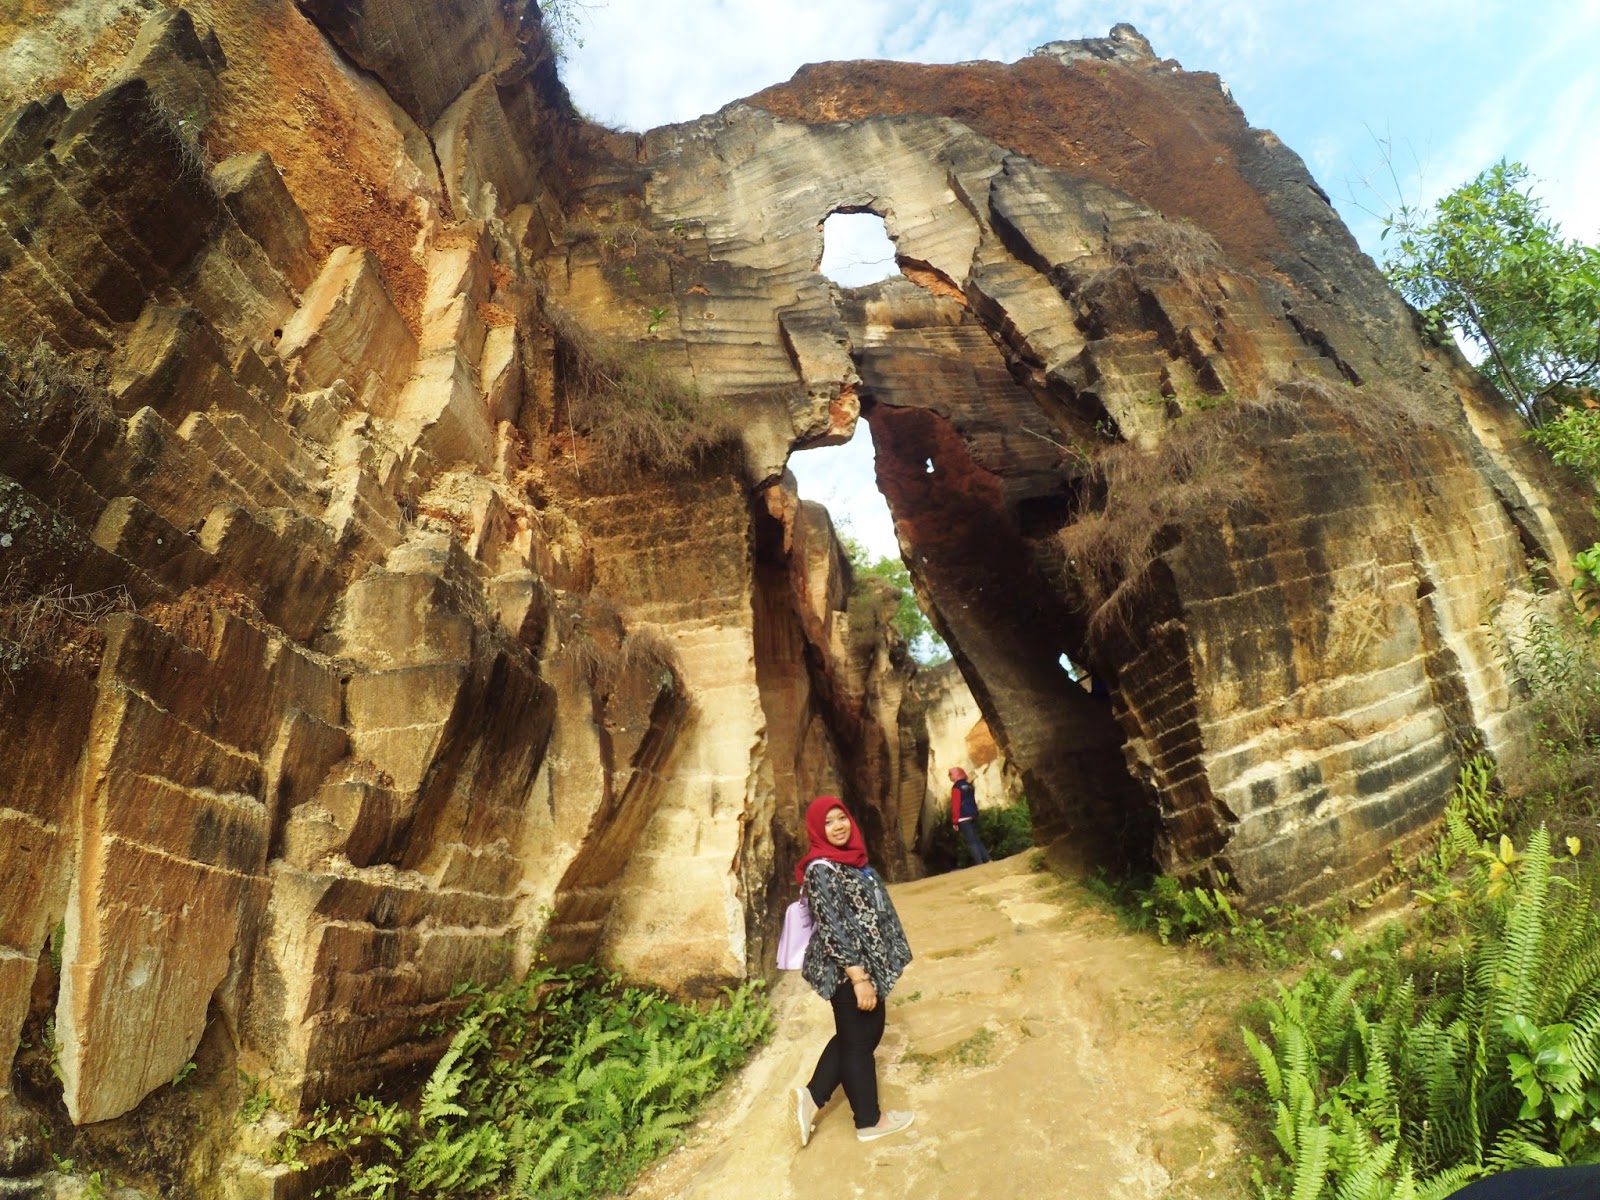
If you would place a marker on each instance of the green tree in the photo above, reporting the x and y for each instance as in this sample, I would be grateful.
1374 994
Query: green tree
1488 262
926 646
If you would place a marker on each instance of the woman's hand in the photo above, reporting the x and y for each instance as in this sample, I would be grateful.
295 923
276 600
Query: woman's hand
866 994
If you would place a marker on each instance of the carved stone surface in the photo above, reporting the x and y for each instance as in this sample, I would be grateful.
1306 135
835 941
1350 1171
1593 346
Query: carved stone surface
337 668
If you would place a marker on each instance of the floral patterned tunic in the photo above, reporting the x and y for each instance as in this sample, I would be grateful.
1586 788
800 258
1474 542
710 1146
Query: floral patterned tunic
856 925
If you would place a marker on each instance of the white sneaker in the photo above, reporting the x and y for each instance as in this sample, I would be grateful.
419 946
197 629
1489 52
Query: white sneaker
805 1113
890 1122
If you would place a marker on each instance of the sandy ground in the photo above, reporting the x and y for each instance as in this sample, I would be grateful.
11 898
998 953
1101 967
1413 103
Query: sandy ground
1046 1053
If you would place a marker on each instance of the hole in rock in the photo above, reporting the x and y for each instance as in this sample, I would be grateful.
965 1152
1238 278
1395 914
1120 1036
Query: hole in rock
856 249
842 479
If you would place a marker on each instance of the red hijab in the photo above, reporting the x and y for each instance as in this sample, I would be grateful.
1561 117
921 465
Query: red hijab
852 854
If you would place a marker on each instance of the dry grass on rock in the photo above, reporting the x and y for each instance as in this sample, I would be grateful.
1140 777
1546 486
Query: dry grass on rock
52 624
633 411
596 643
1205 465
1180 246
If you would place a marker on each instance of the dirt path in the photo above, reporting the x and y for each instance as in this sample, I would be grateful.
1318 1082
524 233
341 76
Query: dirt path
1046 1054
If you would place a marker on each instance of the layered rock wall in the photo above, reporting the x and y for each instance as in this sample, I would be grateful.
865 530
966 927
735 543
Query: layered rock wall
339 679
342 662
1118 401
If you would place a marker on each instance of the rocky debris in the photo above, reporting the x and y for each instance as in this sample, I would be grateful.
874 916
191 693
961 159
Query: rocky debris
344 663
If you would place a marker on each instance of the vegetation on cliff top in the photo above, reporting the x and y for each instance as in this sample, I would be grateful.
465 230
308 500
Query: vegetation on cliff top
1488 262
889 572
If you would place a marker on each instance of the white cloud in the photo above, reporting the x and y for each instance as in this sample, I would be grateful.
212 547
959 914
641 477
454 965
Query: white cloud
643 64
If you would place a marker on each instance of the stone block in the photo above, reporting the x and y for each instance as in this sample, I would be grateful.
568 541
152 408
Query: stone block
238 288
220 691
394 619
299 760
254 192
486 169
180 65
522 605
26 130
220 829
281 560
441 411
465 39
500 375
148 942
133 530
397 718
349 328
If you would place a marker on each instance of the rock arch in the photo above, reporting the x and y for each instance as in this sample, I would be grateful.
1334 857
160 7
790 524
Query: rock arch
1296 663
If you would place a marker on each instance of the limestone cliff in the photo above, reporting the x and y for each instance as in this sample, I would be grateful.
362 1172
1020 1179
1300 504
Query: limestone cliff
396 547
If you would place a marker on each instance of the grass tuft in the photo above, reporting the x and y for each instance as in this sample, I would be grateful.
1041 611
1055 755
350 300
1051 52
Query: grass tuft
632 410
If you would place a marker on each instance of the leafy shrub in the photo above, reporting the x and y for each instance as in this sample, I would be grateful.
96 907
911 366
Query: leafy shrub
1005 831
890 573
1586 587
1487 260
1422 1069
561 1086
1478 798
1205 917
1572 436
1545 650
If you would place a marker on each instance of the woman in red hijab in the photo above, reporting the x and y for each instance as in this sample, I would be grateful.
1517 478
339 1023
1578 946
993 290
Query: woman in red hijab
856 953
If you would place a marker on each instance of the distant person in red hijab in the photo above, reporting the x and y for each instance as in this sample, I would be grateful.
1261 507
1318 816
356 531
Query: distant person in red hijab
964 814
856 953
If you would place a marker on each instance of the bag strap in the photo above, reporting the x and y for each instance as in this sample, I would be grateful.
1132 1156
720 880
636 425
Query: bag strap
807 871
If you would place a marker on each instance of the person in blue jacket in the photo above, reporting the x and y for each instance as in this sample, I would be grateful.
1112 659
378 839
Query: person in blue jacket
964 814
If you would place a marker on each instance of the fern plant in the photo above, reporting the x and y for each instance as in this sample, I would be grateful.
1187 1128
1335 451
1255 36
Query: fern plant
1423 1069
562 1086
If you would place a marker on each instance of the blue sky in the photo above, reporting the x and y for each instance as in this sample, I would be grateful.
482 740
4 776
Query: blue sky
1451 85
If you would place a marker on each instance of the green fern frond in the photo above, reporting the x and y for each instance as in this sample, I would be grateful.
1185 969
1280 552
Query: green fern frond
1446 1183
1517 959
1311 1164
1334 1013
1363 1182
1267 1063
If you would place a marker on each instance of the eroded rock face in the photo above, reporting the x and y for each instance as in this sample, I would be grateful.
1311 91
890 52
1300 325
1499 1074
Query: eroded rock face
354 679
338 667
1139 400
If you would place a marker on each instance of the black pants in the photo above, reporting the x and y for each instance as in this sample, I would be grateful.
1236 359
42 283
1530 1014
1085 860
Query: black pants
847 1058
